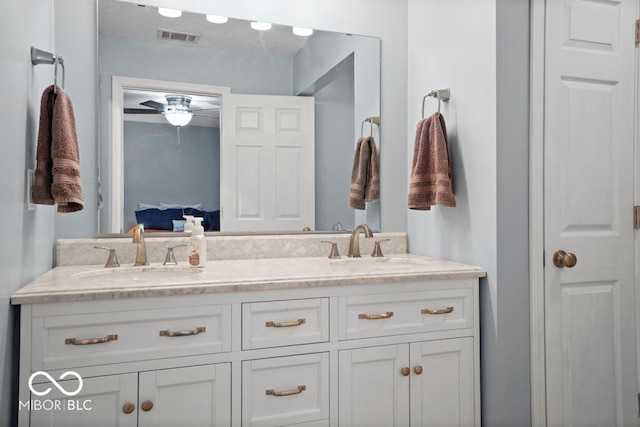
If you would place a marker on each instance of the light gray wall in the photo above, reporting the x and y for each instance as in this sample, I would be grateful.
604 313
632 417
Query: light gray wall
317 59
26 246
73 22
479 49
334 111
513 351
255 73
378 18
186 176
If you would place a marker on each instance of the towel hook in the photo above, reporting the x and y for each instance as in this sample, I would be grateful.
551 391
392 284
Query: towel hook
55 74
373 120
56 61
442 95
43 57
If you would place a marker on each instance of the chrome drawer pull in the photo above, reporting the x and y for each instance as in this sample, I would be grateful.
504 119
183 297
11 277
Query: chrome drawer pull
285 324
298 390
437 310
196 331
386 315
88 341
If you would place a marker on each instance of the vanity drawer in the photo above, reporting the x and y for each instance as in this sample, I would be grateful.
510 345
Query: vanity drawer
366 316
125 336
281 323
285 390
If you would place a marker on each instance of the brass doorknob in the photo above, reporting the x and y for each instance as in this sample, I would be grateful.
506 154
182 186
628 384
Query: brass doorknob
405 372
128 408
563 259
146 405
417 370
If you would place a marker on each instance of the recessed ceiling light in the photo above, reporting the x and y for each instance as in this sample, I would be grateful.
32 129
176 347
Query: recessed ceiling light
260 26
170 13
300 31
217 19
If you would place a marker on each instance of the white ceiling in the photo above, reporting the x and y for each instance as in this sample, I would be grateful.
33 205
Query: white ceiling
128 19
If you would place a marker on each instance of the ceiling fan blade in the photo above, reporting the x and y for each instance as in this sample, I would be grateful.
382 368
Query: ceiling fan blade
208 117
155 105
205 109
141 111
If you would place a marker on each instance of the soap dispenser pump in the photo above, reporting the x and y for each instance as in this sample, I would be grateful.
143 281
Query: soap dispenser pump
197 244
188 223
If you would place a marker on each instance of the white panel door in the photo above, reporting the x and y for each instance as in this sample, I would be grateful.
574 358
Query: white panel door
101 402
371 387
197 396
442 390
268 167
588 155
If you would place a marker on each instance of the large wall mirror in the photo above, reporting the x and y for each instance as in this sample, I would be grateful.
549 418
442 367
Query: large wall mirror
254 130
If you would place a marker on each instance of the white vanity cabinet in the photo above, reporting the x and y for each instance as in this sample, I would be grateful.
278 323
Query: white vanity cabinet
387 353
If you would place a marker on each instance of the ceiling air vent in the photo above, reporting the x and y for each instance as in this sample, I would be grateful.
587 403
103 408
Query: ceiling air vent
177 36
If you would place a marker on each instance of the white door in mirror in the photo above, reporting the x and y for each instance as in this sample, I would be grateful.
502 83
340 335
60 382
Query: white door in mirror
267 163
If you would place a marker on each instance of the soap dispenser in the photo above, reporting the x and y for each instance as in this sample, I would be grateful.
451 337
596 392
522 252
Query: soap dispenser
188 223
197 244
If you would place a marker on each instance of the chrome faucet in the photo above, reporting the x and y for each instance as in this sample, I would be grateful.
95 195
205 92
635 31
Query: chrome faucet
141 251
354 243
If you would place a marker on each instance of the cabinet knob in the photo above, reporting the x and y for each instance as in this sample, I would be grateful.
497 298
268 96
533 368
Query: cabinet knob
128 408
405 372
418 370
146 405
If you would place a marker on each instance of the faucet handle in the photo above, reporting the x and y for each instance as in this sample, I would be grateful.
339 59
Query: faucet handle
171 257
112 261
377 251
334 254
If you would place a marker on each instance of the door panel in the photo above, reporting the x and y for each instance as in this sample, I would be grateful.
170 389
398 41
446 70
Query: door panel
99 403
442 394
588 155
268 163
193 396
371 388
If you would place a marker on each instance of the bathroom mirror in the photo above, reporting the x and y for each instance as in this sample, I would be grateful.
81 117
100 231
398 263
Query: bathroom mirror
135 43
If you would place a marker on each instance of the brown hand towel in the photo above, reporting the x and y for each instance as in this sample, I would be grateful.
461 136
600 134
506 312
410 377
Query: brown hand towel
372 190
365 177
57 176
431 178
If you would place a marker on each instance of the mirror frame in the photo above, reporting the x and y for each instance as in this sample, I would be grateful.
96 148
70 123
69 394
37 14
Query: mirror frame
118 85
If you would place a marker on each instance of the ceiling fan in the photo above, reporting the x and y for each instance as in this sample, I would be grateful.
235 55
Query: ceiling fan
177 110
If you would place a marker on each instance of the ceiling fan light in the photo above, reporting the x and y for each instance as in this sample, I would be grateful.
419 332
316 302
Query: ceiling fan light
260 26
215 19
170 13
304 32
178 118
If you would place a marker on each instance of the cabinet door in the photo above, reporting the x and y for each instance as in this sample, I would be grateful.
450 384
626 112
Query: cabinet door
193 396
100 402
442 394
372 389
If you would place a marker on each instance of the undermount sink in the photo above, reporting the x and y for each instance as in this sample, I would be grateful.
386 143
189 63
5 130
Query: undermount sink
133 274
379 264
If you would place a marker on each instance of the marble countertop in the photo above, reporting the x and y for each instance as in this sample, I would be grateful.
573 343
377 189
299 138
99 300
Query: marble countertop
95 282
